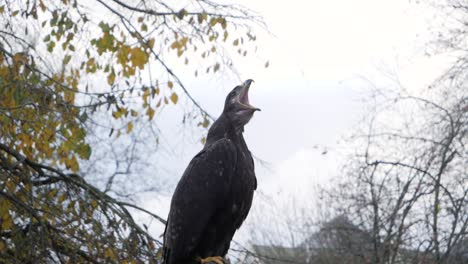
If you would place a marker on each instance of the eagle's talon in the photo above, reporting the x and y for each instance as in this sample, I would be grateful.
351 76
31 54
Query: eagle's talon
216 259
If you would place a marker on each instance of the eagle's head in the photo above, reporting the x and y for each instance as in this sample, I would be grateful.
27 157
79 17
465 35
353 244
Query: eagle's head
237 106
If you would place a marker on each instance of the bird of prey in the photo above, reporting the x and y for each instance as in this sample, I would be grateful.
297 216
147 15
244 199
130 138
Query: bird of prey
215 193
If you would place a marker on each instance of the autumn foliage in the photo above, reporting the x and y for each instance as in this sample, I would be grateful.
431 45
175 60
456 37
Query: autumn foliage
63 61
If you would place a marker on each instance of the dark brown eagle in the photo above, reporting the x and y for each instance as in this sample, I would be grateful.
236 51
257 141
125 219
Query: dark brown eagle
215 193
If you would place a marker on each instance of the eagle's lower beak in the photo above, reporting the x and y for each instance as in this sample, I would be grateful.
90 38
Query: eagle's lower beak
244 96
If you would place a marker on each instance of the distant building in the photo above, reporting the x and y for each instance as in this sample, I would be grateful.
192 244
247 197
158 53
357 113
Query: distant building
339 241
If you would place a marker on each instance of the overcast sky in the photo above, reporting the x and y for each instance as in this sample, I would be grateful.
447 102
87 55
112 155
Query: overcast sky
310 95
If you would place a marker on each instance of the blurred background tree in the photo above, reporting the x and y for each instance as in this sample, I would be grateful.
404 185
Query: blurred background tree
402 196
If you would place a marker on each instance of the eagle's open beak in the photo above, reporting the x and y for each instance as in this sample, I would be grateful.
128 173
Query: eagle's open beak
244 96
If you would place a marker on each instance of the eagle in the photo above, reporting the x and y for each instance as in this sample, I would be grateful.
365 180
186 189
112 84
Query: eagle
215 193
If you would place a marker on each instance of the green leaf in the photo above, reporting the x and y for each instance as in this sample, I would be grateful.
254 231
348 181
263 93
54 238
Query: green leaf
84 151
51 46
67 59
104 26
182 13
205 123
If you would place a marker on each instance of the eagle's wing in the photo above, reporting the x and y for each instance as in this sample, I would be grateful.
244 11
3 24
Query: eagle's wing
200 192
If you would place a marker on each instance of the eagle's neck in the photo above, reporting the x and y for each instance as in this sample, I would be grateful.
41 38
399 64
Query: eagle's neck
223 127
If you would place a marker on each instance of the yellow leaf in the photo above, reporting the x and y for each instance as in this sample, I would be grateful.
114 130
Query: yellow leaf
146 94
83 150
129 127
175 44
119 113
206 123
109 253
213 21
138 57
43 7
174 98
150 112
94 204
71 207
159 254
52 193
111 78
11 186
223 22
122 54
183 42
62 198
151 43
72 164
91 66
170 84
69 96
6 221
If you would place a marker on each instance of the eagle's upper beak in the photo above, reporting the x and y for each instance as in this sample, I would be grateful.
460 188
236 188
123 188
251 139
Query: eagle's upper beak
244 96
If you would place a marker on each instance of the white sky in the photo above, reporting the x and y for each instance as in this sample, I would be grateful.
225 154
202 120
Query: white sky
310 94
